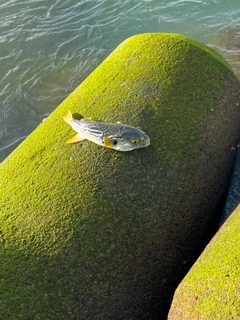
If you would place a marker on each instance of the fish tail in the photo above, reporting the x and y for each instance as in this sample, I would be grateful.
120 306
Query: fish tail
68 117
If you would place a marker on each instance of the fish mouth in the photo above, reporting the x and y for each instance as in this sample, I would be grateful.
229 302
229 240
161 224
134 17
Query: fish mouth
147 143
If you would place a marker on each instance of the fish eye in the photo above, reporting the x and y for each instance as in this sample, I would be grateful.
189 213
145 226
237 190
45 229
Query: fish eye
134 141
115 142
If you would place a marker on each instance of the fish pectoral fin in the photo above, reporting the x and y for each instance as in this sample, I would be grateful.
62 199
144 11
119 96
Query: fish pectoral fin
75 139
118 122
109 142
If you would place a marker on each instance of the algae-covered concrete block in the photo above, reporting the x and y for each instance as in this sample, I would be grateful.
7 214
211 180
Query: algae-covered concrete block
92 233
211 288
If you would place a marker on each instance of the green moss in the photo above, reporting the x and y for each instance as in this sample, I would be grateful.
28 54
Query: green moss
211 288
82 227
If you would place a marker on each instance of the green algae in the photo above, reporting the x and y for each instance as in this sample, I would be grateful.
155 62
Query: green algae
211 288
79 221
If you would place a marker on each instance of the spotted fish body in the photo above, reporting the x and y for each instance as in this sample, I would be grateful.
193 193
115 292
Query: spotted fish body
116 136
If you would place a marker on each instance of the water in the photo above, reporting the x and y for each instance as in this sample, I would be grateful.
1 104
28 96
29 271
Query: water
47 48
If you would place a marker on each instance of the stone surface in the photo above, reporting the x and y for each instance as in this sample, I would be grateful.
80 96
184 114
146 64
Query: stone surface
211 288
92 233
233 195
227 42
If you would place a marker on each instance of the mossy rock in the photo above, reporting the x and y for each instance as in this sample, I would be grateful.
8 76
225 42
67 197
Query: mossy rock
92 233
211 288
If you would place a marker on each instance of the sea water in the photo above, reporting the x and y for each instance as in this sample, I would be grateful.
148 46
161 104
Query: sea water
47 48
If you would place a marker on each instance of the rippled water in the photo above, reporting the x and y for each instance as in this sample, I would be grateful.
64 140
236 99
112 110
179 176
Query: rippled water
48 47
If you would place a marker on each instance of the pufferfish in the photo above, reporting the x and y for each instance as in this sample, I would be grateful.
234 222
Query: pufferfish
115 136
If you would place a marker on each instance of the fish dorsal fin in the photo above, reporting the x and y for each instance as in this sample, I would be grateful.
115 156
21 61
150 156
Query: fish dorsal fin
75 139
68 117
139 128
118 122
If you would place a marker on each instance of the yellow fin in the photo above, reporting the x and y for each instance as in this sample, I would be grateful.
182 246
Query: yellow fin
118 122
108 142
75 139
68 117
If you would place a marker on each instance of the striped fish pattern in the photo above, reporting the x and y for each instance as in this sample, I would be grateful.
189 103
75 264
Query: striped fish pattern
117 136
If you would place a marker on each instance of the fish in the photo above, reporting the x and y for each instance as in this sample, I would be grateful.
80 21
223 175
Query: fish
116 136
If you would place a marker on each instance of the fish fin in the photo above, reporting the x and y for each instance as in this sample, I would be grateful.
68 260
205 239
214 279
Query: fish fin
75 139
68 117
140 129
118 122
109 142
